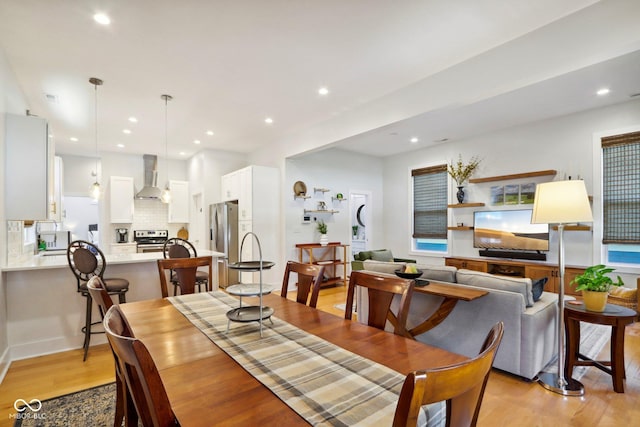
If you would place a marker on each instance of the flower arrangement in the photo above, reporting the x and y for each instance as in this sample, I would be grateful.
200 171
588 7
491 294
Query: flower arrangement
322 227
460 171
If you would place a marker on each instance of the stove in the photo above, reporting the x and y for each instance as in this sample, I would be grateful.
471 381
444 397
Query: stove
150 240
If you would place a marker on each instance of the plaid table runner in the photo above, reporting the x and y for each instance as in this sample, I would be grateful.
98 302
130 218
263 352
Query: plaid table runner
324 383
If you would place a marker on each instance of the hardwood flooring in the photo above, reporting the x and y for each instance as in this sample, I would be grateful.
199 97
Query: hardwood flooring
508 400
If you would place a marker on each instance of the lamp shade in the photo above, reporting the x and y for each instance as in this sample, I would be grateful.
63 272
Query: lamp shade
561 202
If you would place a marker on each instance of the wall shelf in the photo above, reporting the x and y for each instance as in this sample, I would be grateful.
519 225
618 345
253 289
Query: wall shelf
338 199
549 172
461 228
325 211
320 190
301 197
574 227
465 205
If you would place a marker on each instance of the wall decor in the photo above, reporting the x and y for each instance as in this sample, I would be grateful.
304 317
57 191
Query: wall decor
497 195
527 193
511 194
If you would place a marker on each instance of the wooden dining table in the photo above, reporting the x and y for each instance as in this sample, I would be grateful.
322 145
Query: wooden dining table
207 387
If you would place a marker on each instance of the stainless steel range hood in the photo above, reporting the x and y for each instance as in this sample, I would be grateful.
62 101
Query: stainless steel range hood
150 191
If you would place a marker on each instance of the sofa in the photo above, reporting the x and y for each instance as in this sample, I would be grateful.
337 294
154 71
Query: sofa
529 342
383 255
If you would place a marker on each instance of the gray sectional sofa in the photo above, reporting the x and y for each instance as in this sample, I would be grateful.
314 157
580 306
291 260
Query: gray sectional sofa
529 341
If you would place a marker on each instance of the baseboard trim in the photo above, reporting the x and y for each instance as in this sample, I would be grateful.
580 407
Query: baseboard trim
5 362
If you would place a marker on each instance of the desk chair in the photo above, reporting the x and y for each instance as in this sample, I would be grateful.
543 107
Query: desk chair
181 248
140 372
461 385
186 270
381 290
309 279
86 260
125 409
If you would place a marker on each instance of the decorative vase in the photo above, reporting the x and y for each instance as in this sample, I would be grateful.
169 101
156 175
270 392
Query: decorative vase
324 240
595 301
460 194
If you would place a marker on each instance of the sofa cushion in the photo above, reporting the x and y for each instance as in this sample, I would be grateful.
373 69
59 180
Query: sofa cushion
491 281
363 255
382 255
537 287
382 267
439 273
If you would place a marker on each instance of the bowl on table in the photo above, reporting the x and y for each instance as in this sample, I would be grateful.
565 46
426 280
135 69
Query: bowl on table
405 275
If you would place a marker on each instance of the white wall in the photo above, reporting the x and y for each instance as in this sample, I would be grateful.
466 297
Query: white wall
563 144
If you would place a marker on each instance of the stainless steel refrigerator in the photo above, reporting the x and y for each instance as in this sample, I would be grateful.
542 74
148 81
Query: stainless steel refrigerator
223 237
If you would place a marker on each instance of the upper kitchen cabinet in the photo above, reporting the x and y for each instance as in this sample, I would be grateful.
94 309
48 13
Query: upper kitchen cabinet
55 190
121 191
230 186
28 163
179 206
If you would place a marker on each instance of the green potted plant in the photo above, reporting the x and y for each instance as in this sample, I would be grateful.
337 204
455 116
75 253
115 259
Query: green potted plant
460 172
322 229
595 284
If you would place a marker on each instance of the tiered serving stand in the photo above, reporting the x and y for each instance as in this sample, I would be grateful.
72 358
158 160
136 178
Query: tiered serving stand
250 313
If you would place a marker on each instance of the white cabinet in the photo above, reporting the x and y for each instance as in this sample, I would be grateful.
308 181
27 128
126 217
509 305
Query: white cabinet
55 190
28 162
121 206
245 193
124 248
179 205
230 186
245 227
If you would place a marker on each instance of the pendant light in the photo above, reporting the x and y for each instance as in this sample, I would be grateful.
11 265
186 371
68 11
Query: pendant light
166 193
95 190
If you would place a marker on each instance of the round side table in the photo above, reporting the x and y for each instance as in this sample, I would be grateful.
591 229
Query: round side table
613 315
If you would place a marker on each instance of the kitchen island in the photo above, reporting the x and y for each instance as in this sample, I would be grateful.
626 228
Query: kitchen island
45 314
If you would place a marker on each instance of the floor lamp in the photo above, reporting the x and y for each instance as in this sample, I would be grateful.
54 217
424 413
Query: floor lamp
561 202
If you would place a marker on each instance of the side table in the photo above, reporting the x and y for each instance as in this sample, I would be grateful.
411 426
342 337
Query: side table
613 315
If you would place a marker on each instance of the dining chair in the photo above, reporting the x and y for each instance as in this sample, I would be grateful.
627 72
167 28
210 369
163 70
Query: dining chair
181 248
461 385
140 372
309 279
185 270
381 290
86 260
125 409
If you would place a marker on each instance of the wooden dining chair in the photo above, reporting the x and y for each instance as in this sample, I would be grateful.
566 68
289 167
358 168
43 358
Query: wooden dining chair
140 372
461 385
186 273
125 409
381 289
309 279
181 248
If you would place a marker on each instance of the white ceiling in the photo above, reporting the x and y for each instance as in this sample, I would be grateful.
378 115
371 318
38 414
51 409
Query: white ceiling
231 64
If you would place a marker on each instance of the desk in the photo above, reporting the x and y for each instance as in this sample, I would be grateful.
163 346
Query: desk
615 316
207 387
326 256
451 295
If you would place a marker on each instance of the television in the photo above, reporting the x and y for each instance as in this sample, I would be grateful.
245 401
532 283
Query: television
508 230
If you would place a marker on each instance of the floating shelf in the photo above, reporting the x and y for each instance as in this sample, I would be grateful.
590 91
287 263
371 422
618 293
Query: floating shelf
574 227
301 197
465 205
462 228
320 211
320 190
549 172
338 199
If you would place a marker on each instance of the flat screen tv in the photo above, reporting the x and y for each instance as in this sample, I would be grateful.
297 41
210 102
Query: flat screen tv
509 230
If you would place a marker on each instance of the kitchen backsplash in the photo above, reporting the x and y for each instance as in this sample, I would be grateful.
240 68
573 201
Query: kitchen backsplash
147 215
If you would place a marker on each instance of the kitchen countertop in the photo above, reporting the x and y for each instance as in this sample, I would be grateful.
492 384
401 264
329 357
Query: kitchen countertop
39 262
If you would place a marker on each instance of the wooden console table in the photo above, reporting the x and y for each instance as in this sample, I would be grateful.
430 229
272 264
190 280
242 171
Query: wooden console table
327 256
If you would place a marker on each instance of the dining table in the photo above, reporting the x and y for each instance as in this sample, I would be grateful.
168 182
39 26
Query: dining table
206 386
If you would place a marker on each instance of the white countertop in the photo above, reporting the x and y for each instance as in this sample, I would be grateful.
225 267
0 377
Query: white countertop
39 262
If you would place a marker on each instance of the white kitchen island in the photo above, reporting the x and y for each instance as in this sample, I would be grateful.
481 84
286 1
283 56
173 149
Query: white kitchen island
45 313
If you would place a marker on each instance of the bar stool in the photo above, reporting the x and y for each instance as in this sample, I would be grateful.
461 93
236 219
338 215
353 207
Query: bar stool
86 261
181 248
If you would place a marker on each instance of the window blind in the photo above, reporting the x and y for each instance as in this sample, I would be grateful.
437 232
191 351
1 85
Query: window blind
621 188
430 202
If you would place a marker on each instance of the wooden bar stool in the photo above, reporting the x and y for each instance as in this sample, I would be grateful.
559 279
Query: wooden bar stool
86 261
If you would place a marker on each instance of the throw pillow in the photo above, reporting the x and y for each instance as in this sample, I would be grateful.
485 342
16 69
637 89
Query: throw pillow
383 255
537 286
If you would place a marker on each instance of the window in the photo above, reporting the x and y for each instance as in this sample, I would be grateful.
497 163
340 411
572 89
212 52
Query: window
430 209
621 197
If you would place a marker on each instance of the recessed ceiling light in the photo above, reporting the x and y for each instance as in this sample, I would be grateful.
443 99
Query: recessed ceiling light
120 145
210 132
268 120
414 140
73 139
323 91
127 131
133 119
196 141
603 91
102 19
182 153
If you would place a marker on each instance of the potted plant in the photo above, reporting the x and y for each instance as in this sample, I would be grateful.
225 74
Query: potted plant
460 172
595 284
322 229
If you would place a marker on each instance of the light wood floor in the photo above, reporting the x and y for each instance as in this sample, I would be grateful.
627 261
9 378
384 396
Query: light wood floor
508 401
